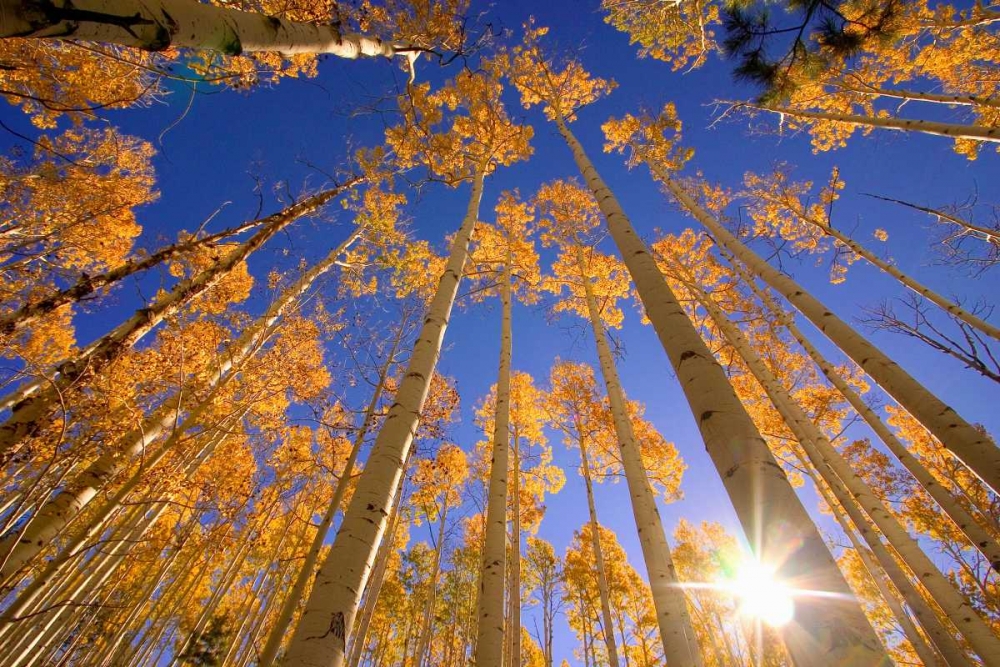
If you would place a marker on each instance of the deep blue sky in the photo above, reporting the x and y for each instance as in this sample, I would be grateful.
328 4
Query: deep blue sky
206 159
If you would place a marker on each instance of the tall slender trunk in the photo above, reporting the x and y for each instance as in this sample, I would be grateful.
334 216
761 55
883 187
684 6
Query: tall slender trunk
319 640
65 506
421 656
680 642
955 131
280 626
923 650
977 534
162 24
360 635
602 578
831 465
918 96
40 405
963 439
773 518
87 284
939 300
489 647
514 619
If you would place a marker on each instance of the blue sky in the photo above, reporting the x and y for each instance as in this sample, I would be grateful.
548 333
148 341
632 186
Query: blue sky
209 153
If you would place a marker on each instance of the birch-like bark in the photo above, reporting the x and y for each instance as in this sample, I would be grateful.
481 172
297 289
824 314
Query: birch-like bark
320 638
39 408
918 96
360 636
923 650
827 630
66 505
954 131
490 632
514 594
824 457
977 534
87 285
420 656
280 626
680 643
161 24
937 299
964 440
602 578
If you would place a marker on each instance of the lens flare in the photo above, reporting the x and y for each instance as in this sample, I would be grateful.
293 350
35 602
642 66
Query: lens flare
762 596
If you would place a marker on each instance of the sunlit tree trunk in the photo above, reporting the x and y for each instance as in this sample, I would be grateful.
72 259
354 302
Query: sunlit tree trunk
37 407
420 657
964 440
771 514
602 579
294 597
923 650
831 465
489 649
514 593
319 639
974 132
65 506
939 300
87 285
360 635
977 534
164 24
680 643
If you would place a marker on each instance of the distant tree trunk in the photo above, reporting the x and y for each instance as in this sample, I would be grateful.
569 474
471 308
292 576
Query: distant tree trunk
602 578
489 647
319 640
770 512
163 24
963 439
680 643
421 657
918 96
973 132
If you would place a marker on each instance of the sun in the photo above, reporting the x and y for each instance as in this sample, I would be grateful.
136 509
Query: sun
761 596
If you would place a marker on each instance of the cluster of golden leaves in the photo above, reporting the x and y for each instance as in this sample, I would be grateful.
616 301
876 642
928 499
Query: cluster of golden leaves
560 87
680 33
648 138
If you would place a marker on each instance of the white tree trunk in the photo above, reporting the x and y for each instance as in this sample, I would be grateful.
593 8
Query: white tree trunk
38 409
490 631
155 25
602 578
832 465
773 518
680 643
320 638
964 440
66 505
974 132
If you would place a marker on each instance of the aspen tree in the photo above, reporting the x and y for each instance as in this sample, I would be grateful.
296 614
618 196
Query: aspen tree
977 534
64 507
782 198
823 456
573 217
646 137
572 400
507 249
37 400
478 143
757 486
